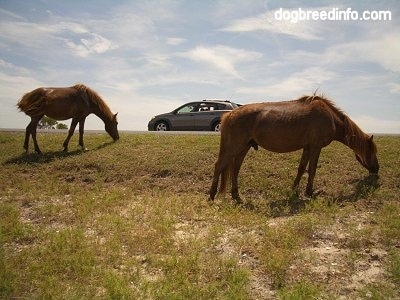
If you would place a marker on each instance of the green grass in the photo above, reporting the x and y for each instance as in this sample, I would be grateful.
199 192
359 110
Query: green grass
131 220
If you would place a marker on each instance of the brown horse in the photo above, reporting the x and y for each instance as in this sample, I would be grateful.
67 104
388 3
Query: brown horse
63 103
309 123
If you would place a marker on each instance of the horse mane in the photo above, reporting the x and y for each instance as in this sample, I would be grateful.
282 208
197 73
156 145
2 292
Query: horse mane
353 135
95 99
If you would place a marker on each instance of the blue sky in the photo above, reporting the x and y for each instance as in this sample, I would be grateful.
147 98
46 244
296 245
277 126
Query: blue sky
148 57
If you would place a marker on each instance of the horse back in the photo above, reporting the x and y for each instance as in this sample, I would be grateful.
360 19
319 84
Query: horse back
57 103
281 126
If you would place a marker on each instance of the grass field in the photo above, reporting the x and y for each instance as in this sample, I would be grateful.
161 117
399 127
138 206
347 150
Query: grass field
131 220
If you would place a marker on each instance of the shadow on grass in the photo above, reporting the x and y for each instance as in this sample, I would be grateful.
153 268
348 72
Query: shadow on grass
291 204
294 203
288 206
47 157
362 189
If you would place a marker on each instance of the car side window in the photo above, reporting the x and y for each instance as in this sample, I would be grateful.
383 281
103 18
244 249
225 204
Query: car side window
221 106
186 109
211 106
206 107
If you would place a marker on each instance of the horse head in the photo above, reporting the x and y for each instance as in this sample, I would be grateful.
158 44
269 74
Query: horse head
111 127
367 156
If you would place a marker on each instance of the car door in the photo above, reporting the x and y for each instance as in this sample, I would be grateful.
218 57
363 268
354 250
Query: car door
184 117
205 115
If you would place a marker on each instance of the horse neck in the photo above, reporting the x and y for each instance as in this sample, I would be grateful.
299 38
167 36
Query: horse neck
105 117
351 135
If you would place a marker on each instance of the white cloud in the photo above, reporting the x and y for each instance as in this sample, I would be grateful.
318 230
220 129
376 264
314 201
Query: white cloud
394 88
305 30
60 27
23 33
11 14
223 58
382 50
379 48
299 83
97 44
175 41
42 35
89 42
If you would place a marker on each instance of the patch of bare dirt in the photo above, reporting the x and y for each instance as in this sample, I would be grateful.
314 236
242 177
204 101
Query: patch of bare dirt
339 257
343 258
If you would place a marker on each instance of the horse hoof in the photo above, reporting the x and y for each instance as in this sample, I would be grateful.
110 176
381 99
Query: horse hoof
210 199
237 199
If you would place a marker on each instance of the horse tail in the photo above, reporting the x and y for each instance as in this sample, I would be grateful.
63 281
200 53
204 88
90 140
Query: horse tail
226 176
33 103
225 158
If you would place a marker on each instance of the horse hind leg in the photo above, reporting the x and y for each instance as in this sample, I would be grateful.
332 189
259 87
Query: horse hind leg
219 168
238 161
214 185
31 130
28 132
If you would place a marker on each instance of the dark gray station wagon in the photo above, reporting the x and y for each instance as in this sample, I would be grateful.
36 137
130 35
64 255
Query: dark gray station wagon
202 115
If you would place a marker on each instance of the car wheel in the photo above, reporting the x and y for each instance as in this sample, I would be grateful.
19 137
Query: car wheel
217 126
161 126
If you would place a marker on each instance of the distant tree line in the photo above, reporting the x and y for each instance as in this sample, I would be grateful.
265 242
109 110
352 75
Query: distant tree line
49 123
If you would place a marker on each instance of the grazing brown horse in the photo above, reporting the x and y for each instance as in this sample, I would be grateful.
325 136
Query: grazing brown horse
63 103
309 123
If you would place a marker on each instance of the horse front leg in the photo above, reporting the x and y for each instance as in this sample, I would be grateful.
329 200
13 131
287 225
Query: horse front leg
81 130
71 130
312 169
305 158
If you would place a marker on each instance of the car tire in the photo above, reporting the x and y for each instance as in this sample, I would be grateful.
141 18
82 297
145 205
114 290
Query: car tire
161 126
217 126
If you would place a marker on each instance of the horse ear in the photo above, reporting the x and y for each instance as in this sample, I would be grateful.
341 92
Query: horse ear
115 116
371 138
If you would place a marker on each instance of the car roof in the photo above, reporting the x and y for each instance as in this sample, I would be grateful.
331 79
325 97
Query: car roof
209 101
216 100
